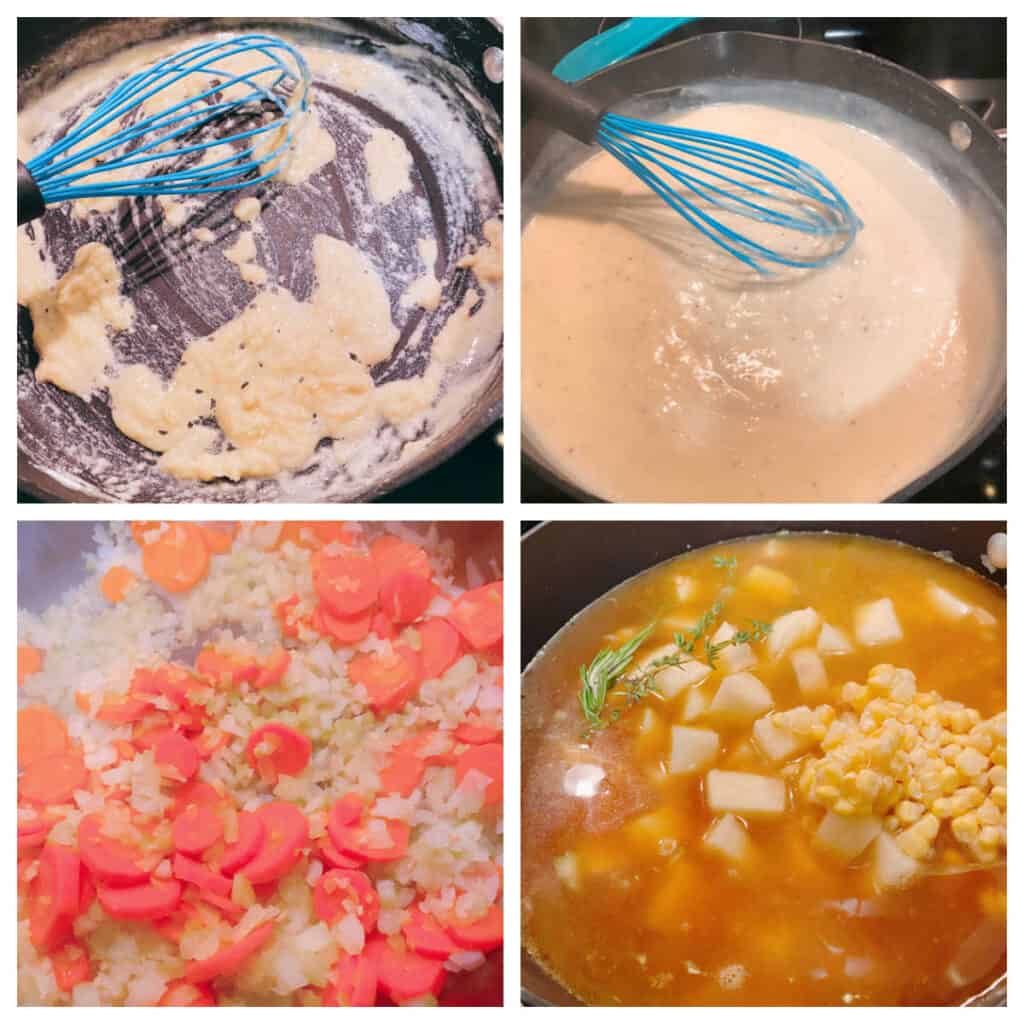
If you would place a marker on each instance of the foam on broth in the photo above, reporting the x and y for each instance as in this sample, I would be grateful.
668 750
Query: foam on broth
665 922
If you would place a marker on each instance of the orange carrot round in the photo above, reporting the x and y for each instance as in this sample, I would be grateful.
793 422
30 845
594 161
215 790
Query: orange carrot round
177 756
340 891
347 584
30 661
229 958
41 733
405 596
177 559
389 679
116 583
478 615
483 934
440 647
287 831
53 779
145 902
196 829
488 760
392 555
277 749
71 966
109 860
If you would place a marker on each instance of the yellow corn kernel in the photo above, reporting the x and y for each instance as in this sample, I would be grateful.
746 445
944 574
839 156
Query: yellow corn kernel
965 827
942 808
966 799
908 811
989 837
855 695
971 762
998 796
997 775
989 814
960 721
998 756
917 840
949 779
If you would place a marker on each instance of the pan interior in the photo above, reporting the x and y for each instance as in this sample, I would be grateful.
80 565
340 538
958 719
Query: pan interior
183 290
937 152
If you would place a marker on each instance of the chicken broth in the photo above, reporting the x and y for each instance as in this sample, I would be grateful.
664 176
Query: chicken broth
801 821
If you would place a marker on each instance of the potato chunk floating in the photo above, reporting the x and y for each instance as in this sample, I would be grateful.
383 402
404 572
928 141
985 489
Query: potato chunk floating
693 750
876 623
744 793
740 698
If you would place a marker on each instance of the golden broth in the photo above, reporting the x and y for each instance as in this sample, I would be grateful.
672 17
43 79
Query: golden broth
641 912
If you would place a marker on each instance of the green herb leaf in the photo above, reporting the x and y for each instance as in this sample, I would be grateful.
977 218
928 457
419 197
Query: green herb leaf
600 675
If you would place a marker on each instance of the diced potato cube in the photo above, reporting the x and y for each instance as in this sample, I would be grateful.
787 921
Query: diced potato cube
673 679
947 604
686 588
565 867
744 793
725 632
664 651
741 698
738 658
811 676
768 584
666 911
778 743
693 750
696 704
728 838
892 868
791 629
876 623
656 833
847 837
832 640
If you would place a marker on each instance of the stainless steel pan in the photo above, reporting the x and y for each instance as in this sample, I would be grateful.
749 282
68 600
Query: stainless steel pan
936 129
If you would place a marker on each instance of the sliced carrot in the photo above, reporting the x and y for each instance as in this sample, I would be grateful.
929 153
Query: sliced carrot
170 681
122 710
177 756
392 555
116 583
344 812
194 873
250 838
389 679
403 975
228 959
483 934
347 584
55 894
313 535
436 746
146 532
405 596
54 779
71 966
218 537
383 626
178 559
184 993
287 831
126 751
487 759
283 614
41 733
404 768
478 615
147 902
232 911
196 829
353 982
440 647
87 893
342 891
424 935
333 857
32 839
342 629
277 749
197 793
475 732
273 672
30 661
369 842
226 669
109 860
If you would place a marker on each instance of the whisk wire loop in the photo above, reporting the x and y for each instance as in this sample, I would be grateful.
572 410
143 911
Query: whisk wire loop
274 91
700 174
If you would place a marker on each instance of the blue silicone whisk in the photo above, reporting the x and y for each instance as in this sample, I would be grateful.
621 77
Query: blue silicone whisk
251 110
703 175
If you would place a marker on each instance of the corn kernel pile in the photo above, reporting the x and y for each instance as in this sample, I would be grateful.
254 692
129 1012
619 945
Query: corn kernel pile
916 761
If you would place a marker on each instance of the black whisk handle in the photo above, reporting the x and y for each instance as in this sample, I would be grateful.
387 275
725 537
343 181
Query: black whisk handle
30 199
561 105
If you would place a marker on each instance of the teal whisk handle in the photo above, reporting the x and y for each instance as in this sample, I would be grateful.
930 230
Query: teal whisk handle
566 108
613 45
30 199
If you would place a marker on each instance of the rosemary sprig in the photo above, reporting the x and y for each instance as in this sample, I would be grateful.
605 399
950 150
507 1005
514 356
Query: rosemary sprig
601 674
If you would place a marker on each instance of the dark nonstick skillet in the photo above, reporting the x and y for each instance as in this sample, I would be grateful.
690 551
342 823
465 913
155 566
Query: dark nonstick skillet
567 566
70 450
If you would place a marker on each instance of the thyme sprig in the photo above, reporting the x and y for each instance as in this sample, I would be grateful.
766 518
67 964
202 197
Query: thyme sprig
610 666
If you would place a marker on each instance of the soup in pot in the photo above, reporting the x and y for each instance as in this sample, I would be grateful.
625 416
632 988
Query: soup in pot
772 772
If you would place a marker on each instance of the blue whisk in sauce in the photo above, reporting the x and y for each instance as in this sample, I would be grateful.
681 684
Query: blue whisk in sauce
160 131
703 175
